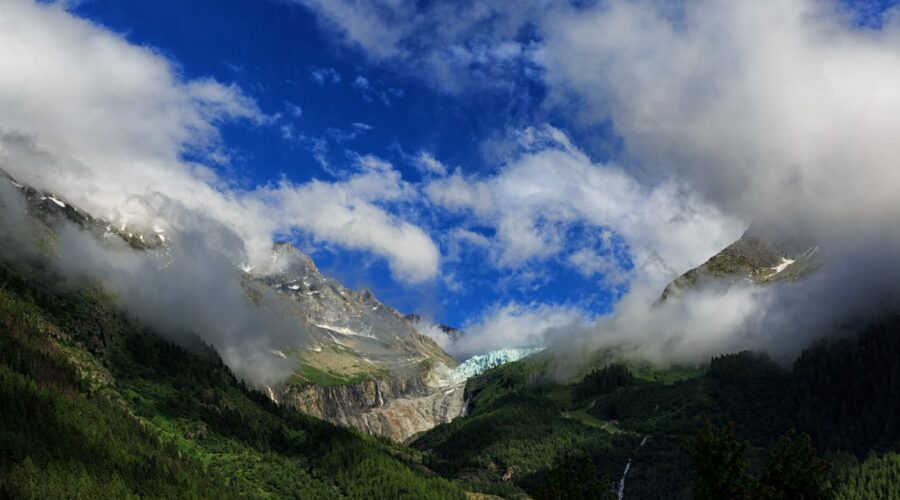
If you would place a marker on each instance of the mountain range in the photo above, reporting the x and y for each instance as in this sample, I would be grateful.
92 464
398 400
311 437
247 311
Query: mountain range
97 402
358 362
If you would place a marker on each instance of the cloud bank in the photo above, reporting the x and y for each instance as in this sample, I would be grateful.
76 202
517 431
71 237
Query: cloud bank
538 195
784 113
769 109
779 112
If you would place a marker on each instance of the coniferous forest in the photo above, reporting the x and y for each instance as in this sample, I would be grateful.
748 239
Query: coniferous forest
95 405
450 249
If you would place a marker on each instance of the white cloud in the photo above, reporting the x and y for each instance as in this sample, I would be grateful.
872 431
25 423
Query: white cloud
370 91
288 133
772 109
589 263
347 213
509 325
515 325
371 162
294 109
763 108
783 112
324 75
428 164
452 44
361 83
106 124
537 196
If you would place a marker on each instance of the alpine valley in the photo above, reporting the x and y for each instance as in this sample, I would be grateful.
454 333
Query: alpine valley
467 249
96 403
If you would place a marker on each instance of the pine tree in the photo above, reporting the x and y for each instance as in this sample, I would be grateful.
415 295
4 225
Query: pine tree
794 471
720 469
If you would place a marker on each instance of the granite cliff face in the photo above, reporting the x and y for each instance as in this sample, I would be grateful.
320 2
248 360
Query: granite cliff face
350 326
364 365
396 407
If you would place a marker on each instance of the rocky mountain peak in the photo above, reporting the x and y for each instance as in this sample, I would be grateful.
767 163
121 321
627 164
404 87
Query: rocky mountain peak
420 322
288 262
762 255
359 362
52 209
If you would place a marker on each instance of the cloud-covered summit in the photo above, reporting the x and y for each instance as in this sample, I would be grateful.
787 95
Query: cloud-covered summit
107 124
780 112
652 133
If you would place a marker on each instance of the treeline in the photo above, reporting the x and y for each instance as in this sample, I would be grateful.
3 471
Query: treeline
721 469
575 475
60 439
522 422
848 390
877 477
602 381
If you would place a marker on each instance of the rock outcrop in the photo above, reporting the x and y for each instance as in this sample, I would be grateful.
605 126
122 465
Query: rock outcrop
758 257
363 364
396 407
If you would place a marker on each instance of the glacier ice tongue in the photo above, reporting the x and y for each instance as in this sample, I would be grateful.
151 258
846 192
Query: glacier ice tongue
476 365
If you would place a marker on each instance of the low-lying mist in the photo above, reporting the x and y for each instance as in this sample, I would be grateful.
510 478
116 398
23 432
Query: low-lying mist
783 113
189 287
858 283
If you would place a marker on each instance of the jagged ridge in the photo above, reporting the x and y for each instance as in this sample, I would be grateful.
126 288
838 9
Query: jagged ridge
758 257
346 338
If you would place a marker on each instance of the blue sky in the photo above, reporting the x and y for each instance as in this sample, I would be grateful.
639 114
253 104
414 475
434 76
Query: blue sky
509 167
274 51
332 102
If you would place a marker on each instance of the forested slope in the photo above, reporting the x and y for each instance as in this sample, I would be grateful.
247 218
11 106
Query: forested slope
93 405
524 428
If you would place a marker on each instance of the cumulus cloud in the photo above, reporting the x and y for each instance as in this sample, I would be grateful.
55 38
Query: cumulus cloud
361 83
324 75
293 109
589 263
453 44
771 109
428 164
188 289
779 112
370 91
782 112
517 325
106 126
533 200
104 123
345 212
761 108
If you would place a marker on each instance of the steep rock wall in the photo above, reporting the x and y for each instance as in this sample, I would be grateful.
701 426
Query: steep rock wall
398 407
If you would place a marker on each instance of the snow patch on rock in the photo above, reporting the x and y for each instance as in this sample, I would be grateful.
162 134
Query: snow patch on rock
785 262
